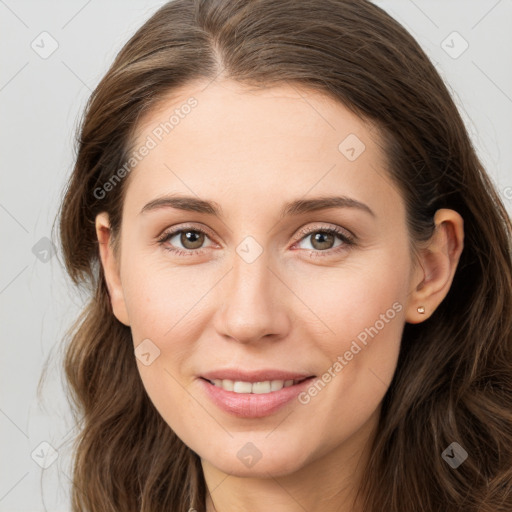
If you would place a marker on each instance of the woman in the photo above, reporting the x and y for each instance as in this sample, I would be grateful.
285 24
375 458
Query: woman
300 272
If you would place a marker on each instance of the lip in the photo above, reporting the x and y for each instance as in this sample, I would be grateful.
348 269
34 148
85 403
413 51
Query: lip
253 405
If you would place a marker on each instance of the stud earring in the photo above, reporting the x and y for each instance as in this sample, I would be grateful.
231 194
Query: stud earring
421 310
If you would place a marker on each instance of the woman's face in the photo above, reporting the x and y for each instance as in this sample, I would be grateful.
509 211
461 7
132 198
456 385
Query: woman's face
299 266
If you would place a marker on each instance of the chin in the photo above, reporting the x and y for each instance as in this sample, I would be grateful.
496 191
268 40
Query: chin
244 458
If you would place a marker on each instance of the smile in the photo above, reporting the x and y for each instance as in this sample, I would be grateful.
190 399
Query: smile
246 399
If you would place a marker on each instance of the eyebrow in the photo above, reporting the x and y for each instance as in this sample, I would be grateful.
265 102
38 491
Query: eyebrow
297 207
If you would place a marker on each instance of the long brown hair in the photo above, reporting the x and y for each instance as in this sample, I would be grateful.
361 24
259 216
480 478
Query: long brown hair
453 382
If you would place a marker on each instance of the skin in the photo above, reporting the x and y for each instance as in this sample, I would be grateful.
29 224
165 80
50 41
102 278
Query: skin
251 152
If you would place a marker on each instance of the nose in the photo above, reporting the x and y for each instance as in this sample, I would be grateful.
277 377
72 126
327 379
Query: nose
253 302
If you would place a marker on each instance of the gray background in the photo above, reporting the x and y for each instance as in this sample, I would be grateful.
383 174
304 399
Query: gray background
40 103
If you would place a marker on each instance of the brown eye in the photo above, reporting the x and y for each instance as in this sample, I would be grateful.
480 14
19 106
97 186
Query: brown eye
185 241
322 240
191 239
325 241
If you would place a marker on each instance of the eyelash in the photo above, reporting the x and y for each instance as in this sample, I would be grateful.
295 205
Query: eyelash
347 240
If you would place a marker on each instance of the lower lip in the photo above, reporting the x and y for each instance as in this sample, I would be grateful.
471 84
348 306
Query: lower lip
253 405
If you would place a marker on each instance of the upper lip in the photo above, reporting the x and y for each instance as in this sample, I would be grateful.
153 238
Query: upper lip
254 375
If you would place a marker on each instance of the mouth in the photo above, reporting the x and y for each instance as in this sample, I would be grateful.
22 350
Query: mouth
254 397
260 387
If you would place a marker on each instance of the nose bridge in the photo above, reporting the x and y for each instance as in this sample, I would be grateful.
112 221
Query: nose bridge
250 306
250 279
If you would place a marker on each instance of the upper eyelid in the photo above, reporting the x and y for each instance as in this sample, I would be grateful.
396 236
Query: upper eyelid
191 227
308 231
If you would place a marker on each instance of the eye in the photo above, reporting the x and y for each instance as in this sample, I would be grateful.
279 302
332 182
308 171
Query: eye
324 239
190 239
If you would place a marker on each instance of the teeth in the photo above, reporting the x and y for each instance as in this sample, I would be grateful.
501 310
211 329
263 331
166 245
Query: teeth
267 386
242 387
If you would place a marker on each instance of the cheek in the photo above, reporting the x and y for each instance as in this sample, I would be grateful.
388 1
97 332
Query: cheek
162 300
166 318
362 311
345 300
162 321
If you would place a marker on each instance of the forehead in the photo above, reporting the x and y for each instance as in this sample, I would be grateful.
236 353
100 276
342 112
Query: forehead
227 137
267 112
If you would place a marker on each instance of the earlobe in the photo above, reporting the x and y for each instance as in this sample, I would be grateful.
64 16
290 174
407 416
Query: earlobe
111 268
436 266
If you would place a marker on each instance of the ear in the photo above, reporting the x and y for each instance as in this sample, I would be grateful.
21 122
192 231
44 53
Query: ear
111 268
437 263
